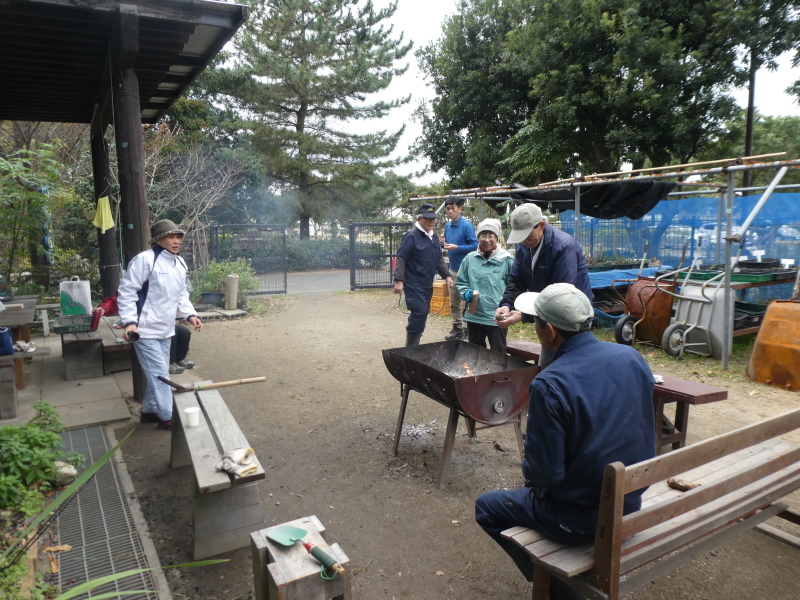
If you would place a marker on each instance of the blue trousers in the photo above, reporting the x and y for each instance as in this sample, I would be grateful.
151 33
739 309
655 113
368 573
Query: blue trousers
154 358
418 300
502 509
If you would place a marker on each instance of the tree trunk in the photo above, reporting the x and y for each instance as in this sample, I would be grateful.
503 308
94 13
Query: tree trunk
747 176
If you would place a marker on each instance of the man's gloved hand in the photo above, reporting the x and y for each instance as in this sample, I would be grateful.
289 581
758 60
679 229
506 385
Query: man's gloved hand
468 295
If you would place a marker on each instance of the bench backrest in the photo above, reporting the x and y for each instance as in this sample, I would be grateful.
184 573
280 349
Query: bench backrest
623 543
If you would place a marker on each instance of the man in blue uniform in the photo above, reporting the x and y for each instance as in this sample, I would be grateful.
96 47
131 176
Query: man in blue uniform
459 240
544 255
419 258
591 407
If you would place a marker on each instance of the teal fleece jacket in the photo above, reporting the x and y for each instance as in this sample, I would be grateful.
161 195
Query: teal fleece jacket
489 277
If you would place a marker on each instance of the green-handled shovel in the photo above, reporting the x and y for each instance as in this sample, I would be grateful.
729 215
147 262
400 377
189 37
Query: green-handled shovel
286 535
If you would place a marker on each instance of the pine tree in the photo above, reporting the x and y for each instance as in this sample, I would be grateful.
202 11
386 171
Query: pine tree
303 69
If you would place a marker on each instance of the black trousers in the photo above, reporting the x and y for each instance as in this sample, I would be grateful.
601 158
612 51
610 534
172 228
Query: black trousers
179 346
478 334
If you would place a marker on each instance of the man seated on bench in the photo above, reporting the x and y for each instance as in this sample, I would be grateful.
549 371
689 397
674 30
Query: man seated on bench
593 405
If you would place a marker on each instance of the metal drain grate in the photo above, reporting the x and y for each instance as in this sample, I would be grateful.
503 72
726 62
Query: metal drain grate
97 523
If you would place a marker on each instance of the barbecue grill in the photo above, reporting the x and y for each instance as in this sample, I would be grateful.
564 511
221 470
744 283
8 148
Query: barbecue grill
477 383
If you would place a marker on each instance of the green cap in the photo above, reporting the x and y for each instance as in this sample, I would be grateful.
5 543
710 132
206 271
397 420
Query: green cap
560 304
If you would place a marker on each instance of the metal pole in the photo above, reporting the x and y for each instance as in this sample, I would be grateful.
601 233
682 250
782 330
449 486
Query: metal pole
577 214
718 231
727 329
352 227
764 197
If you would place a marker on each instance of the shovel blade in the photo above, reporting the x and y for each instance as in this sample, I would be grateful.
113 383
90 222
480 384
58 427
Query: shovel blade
286 535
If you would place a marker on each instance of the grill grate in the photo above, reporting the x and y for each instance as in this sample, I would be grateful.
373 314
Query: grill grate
97 523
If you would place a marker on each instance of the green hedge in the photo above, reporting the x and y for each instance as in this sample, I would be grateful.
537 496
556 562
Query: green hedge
301 255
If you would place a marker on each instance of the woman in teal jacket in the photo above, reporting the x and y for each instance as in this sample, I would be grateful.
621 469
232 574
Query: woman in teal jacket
485 270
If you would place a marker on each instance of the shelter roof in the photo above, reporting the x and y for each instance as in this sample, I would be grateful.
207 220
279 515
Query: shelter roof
58 54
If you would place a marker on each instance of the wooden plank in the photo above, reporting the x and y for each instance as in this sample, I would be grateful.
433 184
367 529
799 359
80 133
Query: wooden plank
693 392
223 542
235 496
674 534
524 350
779 534
522 536
543 547
570 561
672 464
203 449
226 430
210 525
675 560
738 478
6 359
714 470
258 556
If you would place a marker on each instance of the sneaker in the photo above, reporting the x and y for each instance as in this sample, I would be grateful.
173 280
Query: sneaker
175 368
456 333
165 425
149 418
186 364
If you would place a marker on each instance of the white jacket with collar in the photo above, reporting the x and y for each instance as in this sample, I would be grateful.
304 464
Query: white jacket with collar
160 276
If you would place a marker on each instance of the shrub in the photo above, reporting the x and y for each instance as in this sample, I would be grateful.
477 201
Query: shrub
213 279
29 453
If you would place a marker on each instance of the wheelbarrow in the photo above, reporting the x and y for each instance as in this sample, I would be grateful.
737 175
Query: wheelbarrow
648 308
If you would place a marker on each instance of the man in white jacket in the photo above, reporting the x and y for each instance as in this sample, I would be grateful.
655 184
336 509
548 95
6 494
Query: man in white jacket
152 293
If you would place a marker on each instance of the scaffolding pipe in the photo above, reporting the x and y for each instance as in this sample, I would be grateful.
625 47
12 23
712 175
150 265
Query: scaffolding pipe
757 208
727 332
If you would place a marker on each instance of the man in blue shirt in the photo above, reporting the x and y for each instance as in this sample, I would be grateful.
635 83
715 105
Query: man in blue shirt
459 240
591 407
419 258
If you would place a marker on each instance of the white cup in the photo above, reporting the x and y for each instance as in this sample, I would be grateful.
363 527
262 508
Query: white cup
192 416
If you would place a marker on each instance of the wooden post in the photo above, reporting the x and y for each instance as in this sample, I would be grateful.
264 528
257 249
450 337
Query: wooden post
107 242
135 221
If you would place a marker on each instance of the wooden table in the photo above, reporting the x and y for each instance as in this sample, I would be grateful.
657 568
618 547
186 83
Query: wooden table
673 389
19 321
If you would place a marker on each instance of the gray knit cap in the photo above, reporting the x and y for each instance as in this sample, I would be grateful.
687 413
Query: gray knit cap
163 228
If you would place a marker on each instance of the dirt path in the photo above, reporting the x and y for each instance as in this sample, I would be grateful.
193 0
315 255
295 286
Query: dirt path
322 427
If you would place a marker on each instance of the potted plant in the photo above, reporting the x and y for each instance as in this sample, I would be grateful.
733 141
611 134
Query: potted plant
209 285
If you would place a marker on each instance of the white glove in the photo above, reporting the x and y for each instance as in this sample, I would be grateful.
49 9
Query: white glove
236 469
242 456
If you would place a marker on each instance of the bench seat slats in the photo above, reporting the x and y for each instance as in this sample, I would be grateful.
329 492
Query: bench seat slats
673 534
720 484
227 431
664 466
522 536
203 448
707 472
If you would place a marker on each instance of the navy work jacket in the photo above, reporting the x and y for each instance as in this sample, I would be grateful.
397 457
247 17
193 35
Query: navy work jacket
560 261
592 406
422 255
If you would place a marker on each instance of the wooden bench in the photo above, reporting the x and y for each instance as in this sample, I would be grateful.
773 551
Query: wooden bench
116 351
673 389
83 355
12 378
742 474
44 310
226 509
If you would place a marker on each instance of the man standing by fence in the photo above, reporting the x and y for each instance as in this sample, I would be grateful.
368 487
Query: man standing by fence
459 240
419 258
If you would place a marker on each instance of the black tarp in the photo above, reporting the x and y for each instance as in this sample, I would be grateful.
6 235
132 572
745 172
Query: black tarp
612 200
